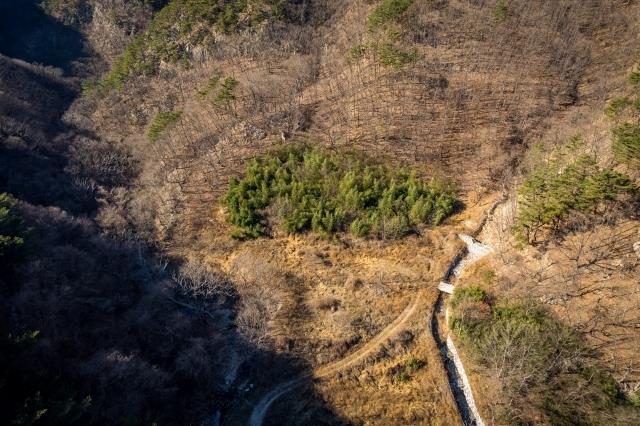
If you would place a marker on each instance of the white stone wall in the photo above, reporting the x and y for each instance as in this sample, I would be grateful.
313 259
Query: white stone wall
466 386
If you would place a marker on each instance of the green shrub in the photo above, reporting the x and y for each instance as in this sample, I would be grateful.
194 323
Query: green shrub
616 106
161 122
604 381
360 227
402 372
133 61
402 377
228 18
489 276
386 50
326 193
388 11
559 185
626 143
393 56
225 94
634 78
538 363
11 228
414 364
471 293
501 12
211 84
395 227
357 52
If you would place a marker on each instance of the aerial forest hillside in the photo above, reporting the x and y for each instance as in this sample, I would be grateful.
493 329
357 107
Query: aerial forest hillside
230 212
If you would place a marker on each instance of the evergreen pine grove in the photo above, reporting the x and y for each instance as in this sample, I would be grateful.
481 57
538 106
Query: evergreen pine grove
310 189
554 189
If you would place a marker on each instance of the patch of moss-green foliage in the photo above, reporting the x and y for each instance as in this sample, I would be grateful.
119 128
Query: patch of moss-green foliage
160 123
306 189
203 93
626 143
393 56
387 11
537 360
562 183
402 373
501 12
132 62
225 93
626 136
616 106
11 228
357 52
383 26
465 294
181 25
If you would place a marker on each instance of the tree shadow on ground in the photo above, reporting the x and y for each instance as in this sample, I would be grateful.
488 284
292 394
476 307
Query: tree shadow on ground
304 406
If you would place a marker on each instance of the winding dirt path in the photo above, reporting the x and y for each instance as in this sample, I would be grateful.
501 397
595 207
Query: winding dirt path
372 344
262 407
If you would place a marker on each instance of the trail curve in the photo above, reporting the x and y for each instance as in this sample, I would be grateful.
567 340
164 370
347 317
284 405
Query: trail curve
262 407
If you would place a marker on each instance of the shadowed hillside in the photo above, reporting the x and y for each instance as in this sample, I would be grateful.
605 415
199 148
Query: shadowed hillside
27 33
95 328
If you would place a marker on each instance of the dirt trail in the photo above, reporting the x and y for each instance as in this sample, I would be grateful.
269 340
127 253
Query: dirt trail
262 407
372 344
473 252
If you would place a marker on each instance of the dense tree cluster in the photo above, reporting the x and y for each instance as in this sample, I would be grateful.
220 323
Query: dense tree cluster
565 182
90 333
538 361
91 329
309 189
